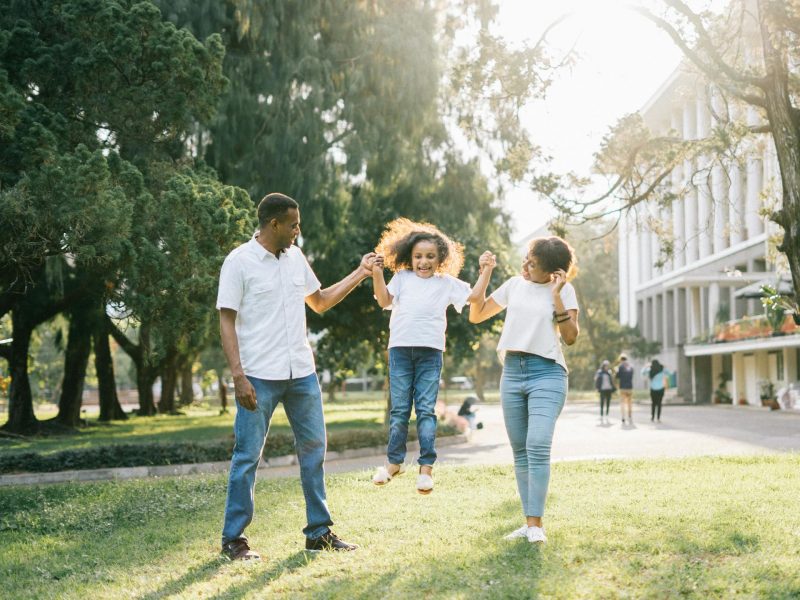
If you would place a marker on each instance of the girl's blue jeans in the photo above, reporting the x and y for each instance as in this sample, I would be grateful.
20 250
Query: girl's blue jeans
302 401
532 391
414 373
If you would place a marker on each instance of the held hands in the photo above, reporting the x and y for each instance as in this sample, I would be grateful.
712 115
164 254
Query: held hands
377 264
367 264
487 260
244 391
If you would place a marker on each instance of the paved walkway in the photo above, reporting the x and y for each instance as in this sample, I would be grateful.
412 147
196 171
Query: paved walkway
580 435
684 431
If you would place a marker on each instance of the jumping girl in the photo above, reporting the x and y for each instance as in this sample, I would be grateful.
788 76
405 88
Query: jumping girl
425 263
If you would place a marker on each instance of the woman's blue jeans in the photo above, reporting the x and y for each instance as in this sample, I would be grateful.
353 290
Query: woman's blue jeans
302 401
532 391
414 373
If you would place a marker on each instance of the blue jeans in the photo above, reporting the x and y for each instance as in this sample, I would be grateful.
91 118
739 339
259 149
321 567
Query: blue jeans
414 373
302 401
532 391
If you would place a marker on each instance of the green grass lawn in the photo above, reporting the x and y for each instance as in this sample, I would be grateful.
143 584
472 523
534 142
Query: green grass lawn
197 425
693 528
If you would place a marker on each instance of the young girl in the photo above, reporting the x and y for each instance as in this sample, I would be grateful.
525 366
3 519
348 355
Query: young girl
542 311
425 264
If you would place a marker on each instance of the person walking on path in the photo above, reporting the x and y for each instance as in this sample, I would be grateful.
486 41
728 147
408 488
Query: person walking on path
426 264
542 311
604 384
659 382
625 381
264 286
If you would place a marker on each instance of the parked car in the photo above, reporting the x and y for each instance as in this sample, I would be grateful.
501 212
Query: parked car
460 382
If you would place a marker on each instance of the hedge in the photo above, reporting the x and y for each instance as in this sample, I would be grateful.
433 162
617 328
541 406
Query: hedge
153 454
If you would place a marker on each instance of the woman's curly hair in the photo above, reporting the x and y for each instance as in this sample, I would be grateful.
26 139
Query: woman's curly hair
553 253
400 237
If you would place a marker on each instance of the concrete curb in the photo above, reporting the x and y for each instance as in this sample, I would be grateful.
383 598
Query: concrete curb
122 473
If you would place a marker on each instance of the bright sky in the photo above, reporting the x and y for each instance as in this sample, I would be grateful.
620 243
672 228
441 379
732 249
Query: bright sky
623 60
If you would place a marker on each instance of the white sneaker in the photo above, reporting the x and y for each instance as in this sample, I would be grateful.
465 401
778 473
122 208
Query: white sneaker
536 535
517 533
424 484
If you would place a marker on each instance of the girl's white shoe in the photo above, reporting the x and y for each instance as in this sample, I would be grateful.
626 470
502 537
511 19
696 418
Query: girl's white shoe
382 475
424 484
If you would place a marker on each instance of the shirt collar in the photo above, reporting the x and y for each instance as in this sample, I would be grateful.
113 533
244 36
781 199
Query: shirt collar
259 250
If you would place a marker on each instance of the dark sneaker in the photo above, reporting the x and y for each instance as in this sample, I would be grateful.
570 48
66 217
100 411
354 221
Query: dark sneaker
329 541
239 549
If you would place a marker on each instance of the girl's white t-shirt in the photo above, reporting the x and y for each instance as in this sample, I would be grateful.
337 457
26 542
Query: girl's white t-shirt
419 308
529 325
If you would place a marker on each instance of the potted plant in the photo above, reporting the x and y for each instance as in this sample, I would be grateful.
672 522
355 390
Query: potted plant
721 394
777 305
767 394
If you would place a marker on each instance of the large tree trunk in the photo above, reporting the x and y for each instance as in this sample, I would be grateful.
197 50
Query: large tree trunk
169 375
784 120
21 419
223 393
76 358
145 372
187 388
110 408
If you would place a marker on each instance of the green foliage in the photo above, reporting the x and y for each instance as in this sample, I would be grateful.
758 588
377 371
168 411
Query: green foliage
185 452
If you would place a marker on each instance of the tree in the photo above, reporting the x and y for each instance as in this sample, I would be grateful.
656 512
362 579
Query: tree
99 95
749 53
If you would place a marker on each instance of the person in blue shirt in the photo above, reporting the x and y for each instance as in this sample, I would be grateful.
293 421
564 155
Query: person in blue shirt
659 382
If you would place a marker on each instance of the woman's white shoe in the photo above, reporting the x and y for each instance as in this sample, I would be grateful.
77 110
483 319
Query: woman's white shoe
522 532
536 535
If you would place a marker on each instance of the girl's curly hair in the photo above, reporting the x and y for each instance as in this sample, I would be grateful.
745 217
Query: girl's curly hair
400 237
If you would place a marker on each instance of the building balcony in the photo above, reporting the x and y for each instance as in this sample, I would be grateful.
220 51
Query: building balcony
746 334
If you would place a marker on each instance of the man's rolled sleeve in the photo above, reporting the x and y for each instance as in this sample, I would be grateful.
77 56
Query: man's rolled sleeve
231 286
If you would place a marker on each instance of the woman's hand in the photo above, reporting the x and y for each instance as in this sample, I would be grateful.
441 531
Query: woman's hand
559 277
377 263
487 260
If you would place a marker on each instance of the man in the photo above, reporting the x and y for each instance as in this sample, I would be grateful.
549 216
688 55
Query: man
625 379
605 386
263 288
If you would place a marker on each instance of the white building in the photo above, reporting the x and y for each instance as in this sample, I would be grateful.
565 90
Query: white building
690 304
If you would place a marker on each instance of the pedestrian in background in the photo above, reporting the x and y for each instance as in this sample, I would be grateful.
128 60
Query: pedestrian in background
625 381
604 384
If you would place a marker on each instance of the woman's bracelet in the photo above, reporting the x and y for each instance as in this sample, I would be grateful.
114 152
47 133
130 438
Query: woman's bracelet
564 320
561 314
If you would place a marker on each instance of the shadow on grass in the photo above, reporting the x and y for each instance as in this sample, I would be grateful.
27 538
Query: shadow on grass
289 564
194 575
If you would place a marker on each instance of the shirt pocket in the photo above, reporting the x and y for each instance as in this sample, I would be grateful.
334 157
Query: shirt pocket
298 287
263 297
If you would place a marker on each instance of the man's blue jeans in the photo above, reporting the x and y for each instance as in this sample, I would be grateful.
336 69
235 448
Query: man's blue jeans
414 373
532 391
302 401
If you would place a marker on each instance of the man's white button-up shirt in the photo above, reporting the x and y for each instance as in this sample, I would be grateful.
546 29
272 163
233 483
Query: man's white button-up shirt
268 295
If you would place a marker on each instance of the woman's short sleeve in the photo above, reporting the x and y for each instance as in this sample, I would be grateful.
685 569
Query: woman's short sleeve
500 295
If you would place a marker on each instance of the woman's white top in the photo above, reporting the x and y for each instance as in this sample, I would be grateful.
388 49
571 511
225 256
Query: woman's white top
529 325
419 308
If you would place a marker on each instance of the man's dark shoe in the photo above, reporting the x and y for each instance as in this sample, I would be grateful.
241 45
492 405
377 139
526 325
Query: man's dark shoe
329 541
239 549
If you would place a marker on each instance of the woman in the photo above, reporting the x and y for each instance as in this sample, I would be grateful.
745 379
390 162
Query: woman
659 382
541 308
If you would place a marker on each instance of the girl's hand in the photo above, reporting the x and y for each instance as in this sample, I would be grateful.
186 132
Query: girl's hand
377 263
487 260
559 277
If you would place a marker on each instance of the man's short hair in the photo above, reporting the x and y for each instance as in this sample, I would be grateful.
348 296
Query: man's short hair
274 206
623 357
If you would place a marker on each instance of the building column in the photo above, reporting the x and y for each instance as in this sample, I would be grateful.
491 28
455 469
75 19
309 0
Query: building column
755 177
703 192
713 305
690 200
678 218
737 205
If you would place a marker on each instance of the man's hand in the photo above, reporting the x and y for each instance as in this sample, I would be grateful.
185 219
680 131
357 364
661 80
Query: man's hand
367 262
245 392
